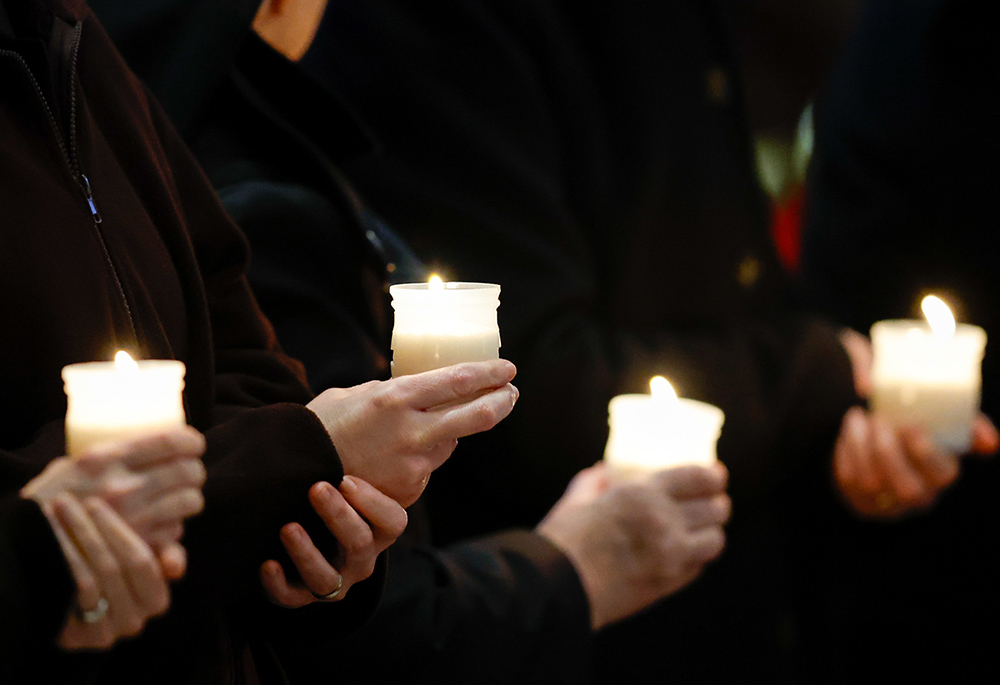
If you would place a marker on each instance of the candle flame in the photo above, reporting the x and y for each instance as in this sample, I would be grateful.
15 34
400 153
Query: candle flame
939 316
435 282
661 389
123 362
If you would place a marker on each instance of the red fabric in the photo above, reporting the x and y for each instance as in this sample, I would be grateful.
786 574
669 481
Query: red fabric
786 228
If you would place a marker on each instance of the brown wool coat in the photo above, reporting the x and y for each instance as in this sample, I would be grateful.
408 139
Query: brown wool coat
161 275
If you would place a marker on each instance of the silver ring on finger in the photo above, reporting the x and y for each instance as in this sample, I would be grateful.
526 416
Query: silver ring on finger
95 615
331 595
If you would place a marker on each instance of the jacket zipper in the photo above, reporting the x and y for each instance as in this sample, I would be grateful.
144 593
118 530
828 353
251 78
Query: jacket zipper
68 150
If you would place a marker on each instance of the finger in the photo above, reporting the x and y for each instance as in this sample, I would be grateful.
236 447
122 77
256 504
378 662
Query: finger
88 592
272 577
937 469
162 536
860 451
140 567
385 517
454 383
985 438
158 481
122 612
475 416
355 535
700 513
895 470
170 508
589 483
317 573
692 482
173 561
183 442
843 463
706 544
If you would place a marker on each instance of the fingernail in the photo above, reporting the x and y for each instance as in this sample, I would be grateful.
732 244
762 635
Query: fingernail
347 485
517 394
510 368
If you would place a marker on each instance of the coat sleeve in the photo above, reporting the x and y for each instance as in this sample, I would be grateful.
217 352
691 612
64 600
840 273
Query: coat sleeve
511 601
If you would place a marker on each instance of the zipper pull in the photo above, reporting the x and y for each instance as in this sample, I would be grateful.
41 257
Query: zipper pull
85 185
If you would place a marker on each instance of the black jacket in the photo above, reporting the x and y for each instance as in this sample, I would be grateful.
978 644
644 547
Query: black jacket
593 159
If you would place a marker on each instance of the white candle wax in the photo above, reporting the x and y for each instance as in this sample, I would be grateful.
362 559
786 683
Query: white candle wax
650 433
438 325
930 380
105 401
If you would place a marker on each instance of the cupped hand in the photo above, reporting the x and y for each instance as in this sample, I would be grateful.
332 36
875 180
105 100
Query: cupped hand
364 521
394 433
119 582
152 482
634 542
883 472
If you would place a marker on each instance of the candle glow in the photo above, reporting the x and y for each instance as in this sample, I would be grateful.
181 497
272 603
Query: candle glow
659 430
939 316
109 400
927 374
438 324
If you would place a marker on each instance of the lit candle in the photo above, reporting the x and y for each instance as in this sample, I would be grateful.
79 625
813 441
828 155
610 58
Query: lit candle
659 431
123 398
928 374
438 324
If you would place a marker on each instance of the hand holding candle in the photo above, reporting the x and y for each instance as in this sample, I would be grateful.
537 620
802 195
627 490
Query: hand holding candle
928 374
394 433
886 462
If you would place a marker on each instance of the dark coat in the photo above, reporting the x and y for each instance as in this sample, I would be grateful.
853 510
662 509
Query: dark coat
594 160
501 608
162 275
903 201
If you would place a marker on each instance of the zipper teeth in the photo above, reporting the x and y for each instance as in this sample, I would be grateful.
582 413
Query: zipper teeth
74 161
70 160
69 151
77 31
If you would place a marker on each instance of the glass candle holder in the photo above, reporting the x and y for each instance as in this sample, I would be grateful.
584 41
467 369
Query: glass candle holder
923 379
650 433
106 401
438 325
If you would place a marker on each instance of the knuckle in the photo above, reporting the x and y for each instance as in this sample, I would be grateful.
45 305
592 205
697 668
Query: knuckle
359 543
486 415
462 380
386 397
